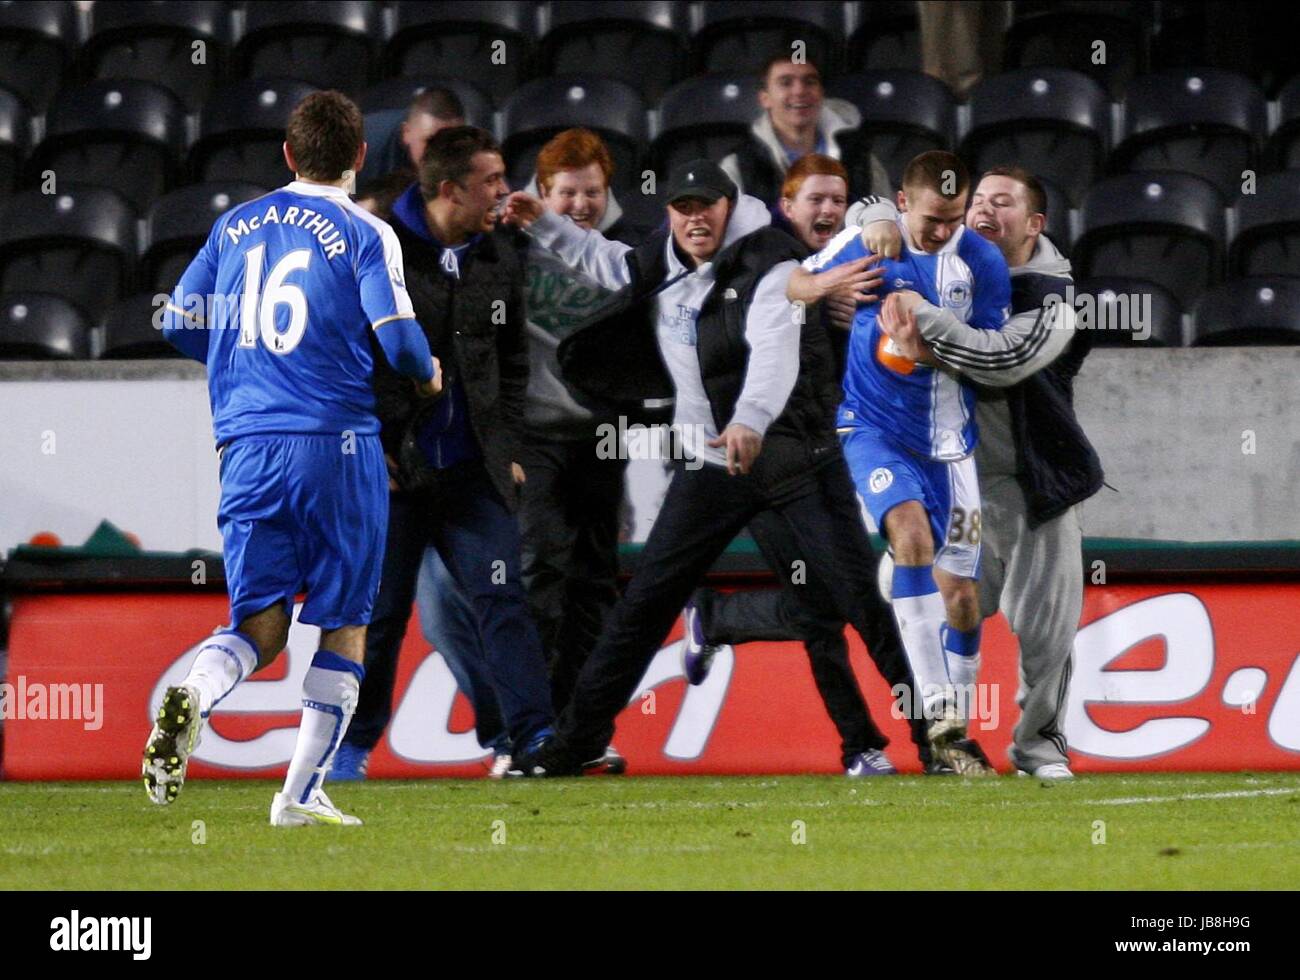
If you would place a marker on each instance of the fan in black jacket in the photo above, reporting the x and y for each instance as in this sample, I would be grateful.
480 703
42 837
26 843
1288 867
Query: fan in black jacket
454 463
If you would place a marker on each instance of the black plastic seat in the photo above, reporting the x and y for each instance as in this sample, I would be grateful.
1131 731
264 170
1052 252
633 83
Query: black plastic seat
1204 122
1284 144
178 224
330 44
1267 242
703 118
1165 227
130 332
492 42
738 36
120 133
1255 312
78 244
397 93
13 141
545 106
241 131
1119 311
640 42
37 40
887 37
1053 122
904 113
1058 215
41 327
1064 34
159 42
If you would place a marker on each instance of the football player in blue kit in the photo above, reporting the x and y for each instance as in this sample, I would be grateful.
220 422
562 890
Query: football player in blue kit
280 304
908 430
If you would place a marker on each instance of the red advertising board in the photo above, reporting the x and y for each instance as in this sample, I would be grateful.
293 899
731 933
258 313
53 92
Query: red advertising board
1205 677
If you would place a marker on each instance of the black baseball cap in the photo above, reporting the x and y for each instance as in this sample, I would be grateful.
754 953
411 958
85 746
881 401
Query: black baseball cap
703 179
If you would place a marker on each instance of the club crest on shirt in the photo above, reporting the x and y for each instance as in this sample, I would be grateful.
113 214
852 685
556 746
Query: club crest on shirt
956 294
880 479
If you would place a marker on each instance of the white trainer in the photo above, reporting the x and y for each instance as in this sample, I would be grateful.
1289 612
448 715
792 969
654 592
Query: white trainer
500 766
1052 772
317 811
174 737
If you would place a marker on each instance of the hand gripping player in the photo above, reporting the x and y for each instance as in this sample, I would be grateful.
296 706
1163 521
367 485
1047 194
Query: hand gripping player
908 431
276 304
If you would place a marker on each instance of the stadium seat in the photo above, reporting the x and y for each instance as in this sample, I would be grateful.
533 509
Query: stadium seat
38 326
330 44
1166 227
1204 122
13 140
397 93
1053 122
545 106
120 133
1064 34
1123 312
37 39
1255 312
639 42
1058 228
241 131
130 331
1284 144
1221 34
178 224
738 36
461 39
703 117
1267 241
158 42
887 37
903 113
79 244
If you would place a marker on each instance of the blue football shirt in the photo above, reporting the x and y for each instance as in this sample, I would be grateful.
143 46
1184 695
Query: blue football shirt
284 294
929 411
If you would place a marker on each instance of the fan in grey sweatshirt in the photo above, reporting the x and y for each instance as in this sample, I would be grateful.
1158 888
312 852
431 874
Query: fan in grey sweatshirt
771 327
557 298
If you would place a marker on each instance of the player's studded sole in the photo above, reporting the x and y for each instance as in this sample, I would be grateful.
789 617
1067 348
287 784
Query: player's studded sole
170 744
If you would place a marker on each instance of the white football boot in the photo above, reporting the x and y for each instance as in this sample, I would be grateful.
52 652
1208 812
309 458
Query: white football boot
174 737
317 811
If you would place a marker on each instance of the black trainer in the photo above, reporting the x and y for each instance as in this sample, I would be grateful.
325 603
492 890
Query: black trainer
549 759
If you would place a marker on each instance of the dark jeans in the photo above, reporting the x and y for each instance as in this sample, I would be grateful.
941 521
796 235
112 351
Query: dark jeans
807 612
569 525
448 622
703 510
478 539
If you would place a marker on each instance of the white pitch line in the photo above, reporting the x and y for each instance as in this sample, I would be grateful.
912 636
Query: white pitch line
1234 794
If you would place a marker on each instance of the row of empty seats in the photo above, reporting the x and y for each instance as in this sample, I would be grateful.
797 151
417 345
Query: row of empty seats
90 246
650 44
1117 312
137 138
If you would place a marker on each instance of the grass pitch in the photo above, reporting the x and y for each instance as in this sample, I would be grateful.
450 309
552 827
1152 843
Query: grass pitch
1231 831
